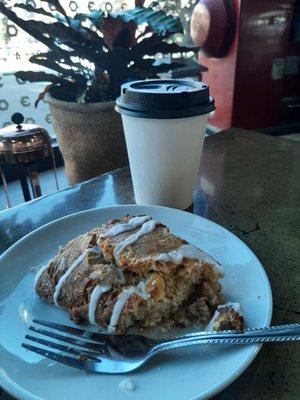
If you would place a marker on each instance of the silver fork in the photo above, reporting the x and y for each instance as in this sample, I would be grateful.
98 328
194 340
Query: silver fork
115 354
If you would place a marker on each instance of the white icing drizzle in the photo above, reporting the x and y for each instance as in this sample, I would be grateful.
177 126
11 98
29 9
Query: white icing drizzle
187 251
133 223
65 276
95 296
234 306
39 274
210 326
122 300
147 227
115 275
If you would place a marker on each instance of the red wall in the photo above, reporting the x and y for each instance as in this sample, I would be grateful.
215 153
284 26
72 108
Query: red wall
241 82
263 37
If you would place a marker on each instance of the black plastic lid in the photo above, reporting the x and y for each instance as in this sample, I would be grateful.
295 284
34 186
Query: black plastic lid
165 98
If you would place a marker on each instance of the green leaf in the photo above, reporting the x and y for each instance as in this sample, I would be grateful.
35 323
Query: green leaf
93 37
154 4
31 76
148 66
27 26
30 8
57 30
42 94
81 97
144 33
38 29
95 17
56 4
57 57
84 47
154 44
52 61
157 20
67 36
166 67
123 39
115 61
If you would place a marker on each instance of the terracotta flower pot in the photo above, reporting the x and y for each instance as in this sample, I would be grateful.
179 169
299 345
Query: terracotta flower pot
90 137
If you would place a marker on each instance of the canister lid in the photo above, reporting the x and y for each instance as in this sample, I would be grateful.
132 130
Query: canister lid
23 140
34 135
165 98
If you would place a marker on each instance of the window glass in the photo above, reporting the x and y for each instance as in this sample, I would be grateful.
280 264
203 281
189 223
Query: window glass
16 46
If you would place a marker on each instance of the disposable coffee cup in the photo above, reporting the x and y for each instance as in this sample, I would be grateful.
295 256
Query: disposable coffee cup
164 124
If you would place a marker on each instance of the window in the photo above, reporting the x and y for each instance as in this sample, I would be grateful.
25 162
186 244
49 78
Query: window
16 47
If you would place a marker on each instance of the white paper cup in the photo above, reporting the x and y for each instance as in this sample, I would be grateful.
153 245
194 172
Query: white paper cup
164 156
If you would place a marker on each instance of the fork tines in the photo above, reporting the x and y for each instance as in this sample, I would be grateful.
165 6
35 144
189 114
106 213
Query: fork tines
79 346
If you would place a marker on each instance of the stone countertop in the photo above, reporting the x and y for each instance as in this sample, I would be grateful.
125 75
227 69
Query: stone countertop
249 183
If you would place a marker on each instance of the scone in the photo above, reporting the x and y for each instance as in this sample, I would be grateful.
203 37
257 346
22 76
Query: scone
227 316
132 272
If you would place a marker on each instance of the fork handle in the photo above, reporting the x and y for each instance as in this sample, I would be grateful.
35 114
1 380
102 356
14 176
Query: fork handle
286 333
288 330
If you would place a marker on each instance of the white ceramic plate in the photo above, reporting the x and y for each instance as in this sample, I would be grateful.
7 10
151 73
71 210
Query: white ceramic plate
193 373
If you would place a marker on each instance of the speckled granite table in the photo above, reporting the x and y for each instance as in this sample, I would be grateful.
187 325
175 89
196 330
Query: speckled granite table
249 183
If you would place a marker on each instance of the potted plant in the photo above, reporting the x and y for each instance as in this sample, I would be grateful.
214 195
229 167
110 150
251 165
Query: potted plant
92 55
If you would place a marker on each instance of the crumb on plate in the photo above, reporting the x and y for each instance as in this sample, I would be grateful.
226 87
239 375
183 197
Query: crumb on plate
127 384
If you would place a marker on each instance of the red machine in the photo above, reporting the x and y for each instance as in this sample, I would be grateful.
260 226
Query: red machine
253 63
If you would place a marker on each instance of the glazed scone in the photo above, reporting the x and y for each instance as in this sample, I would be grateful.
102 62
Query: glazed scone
132 272
227 316
65 281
